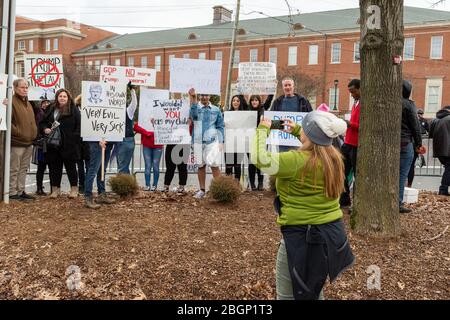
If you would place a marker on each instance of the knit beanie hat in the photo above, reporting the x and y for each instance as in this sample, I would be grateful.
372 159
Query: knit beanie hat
322 127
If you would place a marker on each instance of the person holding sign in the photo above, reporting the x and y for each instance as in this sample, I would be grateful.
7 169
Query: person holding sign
233 160
257 105
207 137
64 115
309 182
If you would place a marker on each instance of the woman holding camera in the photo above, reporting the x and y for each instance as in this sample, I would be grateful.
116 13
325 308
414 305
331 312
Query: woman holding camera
309 182
64 116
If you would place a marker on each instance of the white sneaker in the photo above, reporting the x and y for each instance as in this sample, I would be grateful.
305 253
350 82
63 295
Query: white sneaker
153 189
200 194
180 190
147 188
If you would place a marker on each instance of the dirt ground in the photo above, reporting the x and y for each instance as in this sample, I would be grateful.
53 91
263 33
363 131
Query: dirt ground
155 246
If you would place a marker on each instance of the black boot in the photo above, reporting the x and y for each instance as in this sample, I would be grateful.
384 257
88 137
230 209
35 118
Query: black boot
40 191
260 182
443 191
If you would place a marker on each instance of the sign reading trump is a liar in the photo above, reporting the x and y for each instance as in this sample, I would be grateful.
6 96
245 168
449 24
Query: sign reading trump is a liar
103 111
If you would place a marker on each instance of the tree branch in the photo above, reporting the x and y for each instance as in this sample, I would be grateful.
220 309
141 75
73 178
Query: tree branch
438 236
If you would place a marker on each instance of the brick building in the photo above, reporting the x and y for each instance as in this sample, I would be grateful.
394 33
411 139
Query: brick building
320 48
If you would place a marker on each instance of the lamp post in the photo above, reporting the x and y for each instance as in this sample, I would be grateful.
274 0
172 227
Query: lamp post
336 82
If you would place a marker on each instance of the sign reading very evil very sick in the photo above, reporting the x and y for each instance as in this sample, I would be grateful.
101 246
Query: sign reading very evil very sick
171 121
137 76
103 111
45 74
278 137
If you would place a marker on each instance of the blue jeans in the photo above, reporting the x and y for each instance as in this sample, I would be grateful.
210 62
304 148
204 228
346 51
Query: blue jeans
406 158
126 150
94 168
152 158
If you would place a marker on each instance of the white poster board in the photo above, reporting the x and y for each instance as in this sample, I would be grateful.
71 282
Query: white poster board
240 128
171 121
203 75
147 100
45 75
103 110
137 76
278 137
3 86
257 78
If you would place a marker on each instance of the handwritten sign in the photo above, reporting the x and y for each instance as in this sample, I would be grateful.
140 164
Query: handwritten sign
203 75
103 111
171 121
3 85
278 137
240 128
257 78
137 76
45 74
146 102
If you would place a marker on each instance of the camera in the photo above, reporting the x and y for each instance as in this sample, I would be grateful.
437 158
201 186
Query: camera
277 125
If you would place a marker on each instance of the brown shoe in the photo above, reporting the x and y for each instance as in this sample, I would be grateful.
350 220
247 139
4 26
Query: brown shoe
103 199
89 203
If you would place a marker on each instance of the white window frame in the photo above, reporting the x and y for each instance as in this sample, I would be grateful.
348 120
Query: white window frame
30 45
253 55
117 61
313 54
202 55
292 55
237 58
186 55
104 62
158 63
334 47
331 98
21 45
356 45
144 62
218 55
431 47
97 64
273 55
55 44
433 82
48 45
130 62
411 56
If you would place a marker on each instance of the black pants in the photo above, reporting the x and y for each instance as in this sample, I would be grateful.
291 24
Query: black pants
412 170
252 171
82 166
55 164
233 163
177 156
445 182
42 165
350 155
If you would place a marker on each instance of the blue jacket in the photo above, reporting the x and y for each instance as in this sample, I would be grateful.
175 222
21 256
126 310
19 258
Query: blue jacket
208 124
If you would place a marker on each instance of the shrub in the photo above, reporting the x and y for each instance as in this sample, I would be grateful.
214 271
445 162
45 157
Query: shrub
124 184
225 189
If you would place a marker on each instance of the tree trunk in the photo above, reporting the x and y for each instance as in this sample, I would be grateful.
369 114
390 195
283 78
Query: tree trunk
376 208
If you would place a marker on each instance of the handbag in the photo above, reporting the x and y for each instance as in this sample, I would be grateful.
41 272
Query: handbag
54 138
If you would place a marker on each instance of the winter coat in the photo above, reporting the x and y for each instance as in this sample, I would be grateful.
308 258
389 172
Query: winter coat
304 105
440 133
410 131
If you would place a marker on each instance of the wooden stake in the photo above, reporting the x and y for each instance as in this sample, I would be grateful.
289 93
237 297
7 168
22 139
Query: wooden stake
103 162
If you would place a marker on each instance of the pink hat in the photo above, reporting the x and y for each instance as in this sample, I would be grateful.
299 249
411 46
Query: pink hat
323 107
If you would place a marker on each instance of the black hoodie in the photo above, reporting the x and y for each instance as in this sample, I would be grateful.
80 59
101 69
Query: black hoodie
410 126
440 133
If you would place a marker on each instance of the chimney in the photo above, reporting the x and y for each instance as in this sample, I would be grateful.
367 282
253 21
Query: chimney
221 15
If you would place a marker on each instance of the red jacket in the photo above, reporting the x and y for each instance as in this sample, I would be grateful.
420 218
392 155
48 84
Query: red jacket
147 137
351 137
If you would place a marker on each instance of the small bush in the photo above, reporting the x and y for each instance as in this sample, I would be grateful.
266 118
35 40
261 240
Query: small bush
124 184
272 186
225 189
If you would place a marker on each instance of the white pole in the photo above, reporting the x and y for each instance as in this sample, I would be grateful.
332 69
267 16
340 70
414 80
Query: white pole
12 30
4 44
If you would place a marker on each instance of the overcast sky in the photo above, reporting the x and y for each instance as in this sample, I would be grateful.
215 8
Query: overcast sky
130 16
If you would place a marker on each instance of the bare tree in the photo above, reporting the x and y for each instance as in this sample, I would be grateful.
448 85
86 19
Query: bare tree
305 84
74 75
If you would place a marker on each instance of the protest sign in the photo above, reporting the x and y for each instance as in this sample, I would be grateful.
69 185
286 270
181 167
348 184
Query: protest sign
278 137
257 78
202 75
192 165
3 84
103 111
45 75
240 128
148 98
171 121
137 76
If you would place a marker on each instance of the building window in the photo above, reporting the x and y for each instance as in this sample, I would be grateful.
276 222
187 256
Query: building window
433 95
20 69
237 58
436 47
105 62
30 46
292 56
97 65
313 101
21 45
313 54
144 62
55 44
253 55
117 62
186 55
48 44
130 61
218 55
90 66
336 53
273 53
158 63
78 66
202 55
408 49
356 53
331 101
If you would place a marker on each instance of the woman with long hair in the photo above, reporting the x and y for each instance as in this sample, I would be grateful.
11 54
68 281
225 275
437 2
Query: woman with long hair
309 182
66 116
